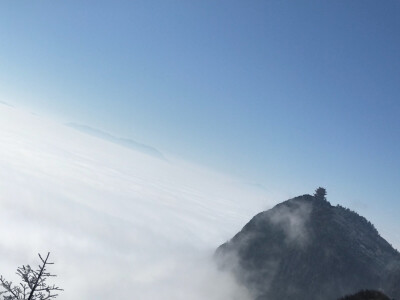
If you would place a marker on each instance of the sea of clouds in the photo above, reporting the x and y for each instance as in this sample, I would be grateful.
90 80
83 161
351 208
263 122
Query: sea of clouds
119 224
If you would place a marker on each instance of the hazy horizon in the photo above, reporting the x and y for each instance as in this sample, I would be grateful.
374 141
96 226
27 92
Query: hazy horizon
286 95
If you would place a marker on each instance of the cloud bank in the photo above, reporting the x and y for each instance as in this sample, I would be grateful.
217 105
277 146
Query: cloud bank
119 224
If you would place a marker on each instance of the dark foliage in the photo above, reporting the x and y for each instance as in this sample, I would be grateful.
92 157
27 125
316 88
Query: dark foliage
366 295
320 193
357 218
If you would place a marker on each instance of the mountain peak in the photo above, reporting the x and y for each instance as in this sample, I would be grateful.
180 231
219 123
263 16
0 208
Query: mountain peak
305 248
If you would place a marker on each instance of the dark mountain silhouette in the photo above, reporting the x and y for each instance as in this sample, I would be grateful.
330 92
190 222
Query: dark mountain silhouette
366 295
305 248
127 143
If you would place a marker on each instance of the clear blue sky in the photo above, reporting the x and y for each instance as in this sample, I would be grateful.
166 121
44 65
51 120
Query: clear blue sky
290 94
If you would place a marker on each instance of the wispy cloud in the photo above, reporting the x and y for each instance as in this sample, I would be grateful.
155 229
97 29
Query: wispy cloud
119 224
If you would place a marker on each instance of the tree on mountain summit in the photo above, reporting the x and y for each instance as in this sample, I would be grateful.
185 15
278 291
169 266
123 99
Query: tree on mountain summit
320 193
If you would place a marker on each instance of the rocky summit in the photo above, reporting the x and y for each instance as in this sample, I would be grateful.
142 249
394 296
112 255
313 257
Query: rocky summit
305 248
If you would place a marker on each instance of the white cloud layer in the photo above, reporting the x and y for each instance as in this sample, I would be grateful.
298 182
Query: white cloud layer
119 224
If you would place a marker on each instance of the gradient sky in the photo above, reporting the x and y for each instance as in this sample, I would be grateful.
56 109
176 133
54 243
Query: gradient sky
288 94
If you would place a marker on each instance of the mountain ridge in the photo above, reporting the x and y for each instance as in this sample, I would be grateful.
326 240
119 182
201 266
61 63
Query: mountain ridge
127 143
305 248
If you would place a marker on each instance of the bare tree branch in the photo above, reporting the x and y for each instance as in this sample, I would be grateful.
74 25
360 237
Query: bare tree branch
33 285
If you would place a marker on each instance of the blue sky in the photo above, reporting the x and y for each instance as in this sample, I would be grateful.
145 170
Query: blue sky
289 94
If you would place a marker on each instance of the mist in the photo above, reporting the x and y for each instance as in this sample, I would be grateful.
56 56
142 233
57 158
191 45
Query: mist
118 223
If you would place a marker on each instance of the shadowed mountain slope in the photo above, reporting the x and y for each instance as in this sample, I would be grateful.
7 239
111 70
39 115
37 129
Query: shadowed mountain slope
305 248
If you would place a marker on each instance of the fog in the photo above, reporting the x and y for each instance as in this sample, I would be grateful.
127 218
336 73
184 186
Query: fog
293 221
119 224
